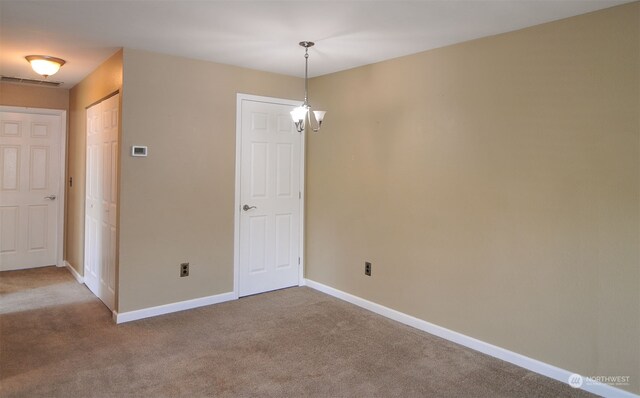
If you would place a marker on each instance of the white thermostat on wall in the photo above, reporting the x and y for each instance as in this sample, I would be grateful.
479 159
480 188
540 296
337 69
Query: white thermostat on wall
138 150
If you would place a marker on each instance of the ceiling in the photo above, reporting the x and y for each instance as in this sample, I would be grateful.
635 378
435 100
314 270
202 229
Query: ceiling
262 35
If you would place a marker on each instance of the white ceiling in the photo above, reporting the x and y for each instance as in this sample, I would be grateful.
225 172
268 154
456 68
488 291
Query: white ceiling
262 35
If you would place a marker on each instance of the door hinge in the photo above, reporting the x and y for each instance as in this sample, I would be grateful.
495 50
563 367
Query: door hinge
298 260
299 195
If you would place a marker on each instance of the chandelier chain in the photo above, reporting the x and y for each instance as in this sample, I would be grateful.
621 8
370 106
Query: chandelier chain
306 69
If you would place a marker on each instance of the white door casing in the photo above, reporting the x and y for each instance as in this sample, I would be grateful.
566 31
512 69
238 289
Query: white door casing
101 193
269 182
32 151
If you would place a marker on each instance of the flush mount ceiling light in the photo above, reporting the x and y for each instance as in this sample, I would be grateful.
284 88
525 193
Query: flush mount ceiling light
45 65
301 114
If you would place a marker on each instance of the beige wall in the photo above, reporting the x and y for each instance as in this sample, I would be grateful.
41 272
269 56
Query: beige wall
102 82
494 185
177 204
33 96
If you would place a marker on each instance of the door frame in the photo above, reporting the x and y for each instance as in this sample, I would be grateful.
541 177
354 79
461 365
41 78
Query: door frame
63 169
236 239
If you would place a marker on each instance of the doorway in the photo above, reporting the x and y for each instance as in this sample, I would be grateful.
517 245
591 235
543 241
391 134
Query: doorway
269 196
32 173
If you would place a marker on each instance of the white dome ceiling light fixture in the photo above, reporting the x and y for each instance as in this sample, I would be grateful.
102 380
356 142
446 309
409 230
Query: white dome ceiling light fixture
301 114
45 65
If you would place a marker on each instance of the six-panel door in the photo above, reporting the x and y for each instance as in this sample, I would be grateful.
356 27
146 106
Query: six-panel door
270 189
30 147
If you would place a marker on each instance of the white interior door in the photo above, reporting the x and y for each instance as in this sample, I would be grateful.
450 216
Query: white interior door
101 200
270 198
30 184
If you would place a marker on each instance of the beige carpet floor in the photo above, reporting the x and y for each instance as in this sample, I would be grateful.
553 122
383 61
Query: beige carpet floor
58 340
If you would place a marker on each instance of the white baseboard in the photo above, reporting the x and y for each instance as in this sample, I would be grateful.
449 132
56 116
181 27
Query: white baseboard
531 364
173 307
73 272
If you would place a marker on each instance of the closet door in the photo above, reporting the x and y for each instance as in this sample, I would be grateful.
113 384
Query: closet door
101 200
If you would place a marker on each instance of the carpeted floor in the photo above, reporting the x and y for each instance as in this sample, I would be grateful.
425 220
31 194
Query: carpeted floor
58 340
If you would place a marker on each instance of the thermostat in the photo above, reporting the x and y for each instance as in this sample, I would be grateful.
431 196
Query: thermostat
137 150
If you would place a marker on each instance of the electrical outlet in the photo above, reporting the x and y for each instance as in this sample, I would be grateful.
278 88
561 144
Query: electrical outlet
184 270
367 268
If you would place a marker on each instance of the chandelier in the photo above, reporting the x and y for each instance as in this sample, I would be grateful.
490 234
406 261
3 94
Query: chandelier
301 114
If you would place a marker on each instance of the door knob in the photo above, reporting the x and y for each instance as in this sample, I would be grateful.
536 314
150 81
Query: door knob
247 207
50 197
